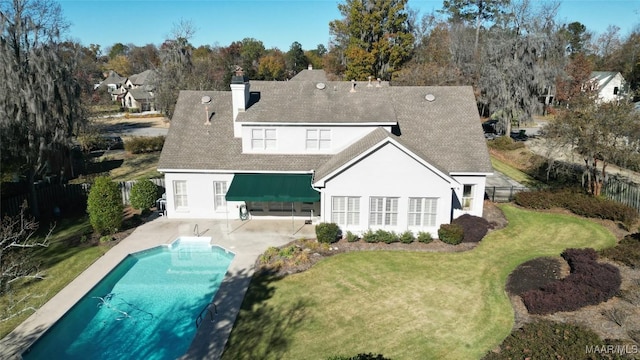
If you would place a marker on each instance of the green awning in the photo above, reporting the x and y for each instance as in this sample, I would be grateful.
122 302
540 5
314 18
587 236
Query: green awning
272 187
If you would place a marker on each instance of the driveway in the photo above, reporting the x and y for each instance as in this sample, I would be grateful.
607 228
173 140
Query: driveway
246 239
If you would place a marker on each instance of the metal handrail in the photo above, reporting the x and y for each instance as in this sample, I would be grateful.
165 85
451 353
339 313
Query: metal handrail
200 317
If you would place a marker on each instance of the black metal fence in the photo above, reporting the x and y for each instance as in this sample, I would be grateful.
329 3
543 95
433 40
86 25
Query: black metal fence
502 193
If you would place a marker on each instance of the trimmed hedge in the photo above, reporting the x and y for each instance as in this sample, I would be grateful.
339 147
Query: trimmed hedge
579 203
474 228
452 234
104 206
424 237
144 194
328 233
589 283
144 144
626 252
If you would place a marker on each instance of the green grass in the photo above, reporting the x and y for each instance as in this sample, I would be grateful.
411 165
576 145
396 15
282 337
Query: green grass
62 261
404 305
514 173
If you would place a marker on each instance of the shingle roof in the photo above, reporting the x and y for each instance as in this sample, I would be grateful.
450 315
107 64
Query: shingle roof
310 75
146 77
445 132
603 77
113 78
140 94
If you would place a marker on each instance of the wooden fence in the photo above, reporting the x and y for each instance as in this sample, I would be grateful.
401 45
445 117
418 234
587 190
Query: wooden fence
622 191
67 197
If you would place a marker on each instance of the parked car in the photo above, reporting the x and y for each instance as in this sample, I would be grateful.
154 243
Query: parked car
490 126
519 135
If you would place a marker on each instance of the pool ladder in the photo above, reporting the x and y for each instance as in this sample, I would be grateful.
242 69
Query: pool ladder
196 231
206 310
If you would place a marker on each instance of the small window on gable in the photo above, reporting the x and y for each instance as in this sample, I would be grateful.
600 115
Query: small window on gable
616 90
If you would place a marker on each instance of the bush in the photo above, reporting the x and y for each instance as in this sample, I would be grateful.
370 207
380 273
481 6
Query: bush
328 233
546 339
505 143
474 227
579 203
144 194
407 237
424 237
144 144
351 237
370 237
386 237
104 206
369 356
589 283
626 252
452 234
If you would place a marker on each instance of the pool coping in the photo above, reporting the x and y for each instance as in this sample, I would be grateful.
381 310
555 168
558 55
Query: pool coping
247 240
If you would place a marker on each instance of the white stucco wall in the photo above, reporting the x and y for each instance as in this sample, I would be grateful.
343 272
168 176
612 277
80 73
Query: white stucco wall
291 139
606 93
200 197
389 172
477 203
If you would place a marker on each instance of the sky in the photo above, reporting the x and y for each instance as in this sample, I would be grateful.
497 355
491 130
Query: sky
277 23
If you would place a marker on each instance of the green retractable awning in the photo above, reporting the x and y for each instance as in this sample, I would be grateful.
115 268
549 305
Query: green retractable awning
272 187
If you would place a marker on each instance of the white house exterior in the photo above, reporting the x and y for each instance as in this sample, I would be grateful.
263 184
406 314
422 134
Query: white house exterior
610 85
362 155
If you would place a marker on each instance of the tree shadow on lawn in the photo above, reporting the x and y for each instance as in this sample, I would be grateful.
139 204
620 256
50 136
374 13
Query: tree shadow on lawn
262 330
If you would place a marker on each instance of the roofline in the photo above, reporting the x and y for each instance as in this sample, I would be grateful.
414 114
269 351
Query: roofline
220 171
467 173
321 182
339 124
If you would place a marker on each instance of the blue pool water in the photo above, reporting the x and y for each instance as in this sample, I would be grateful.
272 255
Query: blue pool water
145 308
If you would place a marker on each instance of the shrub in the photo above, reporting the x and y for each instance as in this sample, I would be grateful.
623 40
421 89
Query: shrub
474 227
370 237
425 237
589 283
505 143
351 237
451 234
626 252
328 232
546 339
369 356
144 194
144 144
104 206
407 237
386 237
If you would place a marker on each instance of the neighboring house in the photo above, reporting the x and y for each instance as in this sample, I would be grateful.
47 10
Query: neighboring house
140 99
114 84
362 155
146 79
610 85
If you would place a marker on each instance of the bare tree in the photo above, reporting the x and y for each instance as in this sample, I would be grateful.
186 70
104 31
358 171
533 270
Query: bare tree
17 244
40 103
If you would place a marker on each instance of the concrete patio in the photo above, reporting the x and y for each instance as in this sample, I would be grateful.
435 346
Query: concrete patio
246 239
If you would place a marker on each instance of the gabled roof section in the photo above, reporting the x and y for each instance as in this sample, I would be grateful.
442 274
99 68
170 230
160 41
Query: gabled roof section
146 77
140 94
310 75
603 77
113 78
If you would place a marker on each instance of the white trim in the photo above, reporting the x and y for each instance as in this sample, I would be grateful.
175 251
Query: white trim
322 124
239 171
471 173
320 183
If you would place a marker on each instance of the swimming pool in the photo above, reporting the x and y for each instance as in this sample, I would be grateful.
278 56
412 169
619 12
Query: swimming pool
145 308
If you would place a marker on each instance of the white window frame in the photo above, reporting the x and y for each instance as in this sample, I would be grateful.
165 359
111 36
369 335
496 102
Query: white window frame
219 193
180 195
345 210
422 211
383 211
263 139
318 139
467 196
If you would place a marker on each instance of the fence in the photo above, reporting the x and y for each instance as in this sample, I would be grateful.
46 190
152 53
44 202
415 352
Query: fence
622 191
67 197
502 193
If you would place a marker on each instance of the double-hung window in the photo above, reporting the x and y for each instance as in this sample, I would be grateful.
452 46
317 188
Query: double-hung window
318 139
219 193
180 194
422 211
263 139
345 210
467 197
383 211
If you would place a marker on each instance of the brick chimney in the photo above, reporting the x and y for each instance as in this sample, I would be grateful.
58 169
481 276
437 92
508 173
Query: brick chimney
239 97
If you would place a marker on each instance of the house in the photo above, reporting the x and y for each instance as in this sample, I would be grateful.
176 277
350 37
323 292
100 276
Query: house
114 84
139 99
146 79
610 85
363 155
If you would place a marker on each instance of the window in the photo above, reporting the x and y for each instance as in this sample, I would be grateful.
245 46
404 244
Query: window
219 193
345 210
180 194
262 139
318 139
383 211
422 211
616 90
467 197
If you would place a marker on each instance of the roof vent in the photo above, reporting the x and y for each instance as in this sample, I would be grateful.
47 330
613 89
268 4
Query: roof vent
320 86
353 86
430 97
206 99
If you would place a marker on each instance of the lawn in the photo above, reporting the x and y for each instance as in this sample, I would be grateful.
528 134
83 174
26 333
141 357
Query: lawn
513 172
63 260
404 305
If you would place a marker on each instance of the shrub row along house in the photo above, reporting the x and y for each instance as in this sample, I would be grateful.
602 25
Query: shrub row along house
365 155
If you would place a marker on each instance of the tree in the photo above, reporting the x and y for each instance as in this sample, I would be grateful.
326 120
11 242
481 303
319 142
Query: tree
118 49
522 57
144 194
104 206
295 59
121 65
272 66
475 12
143 58
40 103
574 85
374 37
251 50
577 37
17 263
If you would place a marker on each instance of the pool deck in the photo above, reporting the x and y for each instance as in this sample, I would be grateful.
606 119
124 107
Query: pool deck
246 239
